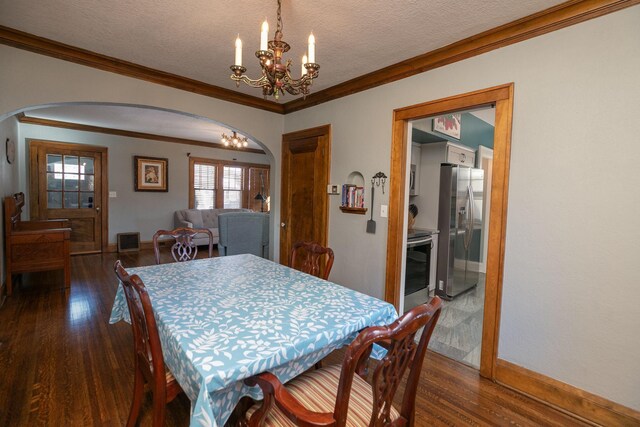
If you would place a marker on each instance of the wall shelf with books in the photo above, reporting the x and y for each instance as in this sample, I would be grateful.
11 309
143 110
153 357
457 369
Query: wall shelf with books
353 195
359 211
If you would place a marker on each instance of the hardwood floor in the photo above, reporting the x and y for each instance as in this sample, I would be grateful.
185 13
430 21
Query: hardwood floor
63 364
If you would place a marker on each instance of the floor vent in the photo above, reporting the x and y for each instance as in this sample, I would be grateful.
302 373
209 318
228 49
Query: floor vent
128 242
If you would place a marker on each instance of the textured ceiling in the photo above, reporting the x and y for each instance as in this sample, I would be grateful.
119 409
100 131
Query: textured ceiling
195 38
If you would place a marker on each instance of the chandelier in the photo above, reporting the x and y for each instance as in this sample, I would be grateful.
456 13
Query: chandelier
276 76
234 140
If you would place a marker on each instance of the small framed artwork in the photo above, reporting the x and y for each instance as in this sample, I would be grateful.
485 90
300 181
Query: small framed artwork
151 173
449 124
10 147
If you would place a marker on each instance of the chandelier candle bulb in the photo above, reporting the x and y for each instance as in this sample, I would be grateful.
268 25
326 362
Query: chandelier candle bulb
234 140
264 35
312 49
238 51
277 77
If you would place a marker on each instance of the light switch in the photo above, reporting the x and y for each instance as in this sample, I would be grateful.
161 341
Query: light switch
384 211
113 194
332 189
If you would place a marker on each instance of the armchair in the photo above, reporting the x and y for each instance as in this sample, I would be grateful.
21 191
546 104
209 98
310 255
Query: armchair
243 233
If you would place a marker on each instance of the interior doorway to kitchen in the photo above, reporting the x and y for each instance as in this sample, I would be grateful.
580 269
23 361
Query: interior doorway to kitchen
449 197
501 98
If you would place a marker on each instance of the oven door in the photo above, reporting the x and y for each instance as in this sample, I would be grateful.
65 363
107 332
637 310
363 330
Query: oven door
418 264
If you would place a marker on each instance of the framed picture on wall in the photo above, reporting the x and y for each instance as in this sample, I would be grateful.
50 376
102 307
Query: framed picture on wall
448 124
10 147
150 173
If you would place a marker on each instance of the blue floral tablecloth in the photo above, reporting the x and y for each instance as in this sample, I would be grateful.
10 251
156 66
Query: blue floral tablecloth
224 319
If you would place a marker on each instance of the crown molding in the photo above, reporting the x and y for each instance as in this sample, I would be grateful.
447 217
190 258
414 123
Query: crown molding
22 118
543 22
555 18
41 45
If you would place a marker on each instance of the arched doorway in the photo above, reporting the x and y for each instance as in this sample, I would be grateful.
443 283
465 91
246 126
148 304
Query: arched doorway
125 131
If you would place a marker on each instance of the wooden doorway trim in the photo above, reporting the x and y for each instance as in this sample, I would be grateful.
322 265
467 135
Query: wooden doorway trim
34 178
502 98
300 141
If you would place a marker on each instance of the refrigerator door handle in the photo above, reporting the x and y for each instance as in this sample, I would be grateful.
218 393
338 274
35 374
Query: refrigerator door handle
472 206
469 230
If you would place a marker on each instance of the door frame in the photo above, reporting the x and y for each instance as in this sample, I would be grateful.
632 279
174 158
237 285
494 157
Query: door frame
34 204
323 133
485 153
502 98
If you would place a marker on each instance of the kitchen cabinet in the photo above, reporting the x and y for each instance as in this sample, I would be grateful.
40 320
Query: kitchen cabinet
460 155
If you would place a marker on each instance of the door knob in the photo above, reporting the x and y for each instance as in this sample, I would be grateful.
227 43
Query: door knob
97 208
283 225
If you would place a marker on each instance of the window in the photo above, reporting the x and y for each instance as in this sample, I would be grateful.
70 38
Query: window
222 184
232 186
204 185
70 182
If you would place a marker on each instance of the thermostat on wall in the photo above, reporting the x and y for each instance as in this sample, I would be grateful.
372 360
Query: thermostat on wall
332 189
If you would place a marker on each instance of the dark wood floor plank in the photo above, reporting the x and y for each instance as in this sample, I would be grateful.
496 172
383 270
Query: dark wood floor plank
64 364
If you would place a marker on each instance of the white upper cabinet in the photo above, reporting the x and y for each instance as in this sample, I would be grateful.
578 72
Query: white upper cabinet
460 155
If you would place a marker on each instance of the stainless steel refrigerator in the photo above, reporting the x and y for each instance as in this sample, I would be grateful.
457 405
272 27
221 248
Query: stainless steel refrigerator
460 225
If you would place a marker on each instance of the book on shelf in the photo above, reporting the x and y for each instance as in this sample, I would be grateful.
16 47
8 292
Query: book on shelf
352 196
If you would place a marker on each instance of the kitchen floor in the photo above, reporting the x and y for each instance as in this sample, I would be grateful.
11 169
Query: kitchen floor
458 333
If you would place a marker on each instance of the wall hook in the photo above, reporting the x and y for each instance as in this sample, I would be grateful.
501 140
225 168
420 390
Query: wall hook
379 179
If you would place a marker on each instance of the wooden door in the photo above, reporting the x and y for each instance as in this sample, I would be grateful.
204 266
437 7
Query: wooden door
306 161
70 181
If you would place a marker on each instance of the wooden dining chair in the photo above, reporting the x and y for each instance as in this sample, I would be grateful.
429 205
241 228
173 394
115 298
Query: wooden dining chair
184 249
307 257
339 395
148 359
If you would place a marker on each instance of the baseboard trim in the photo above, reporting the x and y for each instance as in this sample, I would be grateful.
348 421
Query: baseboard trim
588 407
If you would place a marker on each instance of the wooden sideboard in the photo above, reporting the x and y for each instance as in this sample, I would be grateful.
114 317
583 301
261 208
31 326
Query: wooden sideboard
34 245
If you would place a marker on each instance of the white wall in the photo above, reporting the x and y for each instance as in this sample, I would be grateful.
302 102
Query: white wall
571 283
140 211
570 305
8 176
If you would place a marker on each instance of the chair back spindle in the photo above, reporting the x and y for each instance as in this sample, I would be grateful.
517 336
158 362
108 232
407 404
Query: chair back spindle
403 353
184 248
308 257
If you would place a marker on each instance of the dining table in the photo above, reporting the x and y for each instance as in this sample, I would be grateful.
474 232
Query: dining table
222 320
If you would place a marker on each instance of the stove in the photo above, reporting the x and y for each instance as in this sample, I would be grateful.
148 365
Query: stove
418 260
419 234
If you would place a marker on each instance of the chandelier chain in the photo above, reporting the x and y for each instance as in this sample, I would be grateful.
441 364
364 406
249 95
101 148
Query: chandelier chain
279 22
